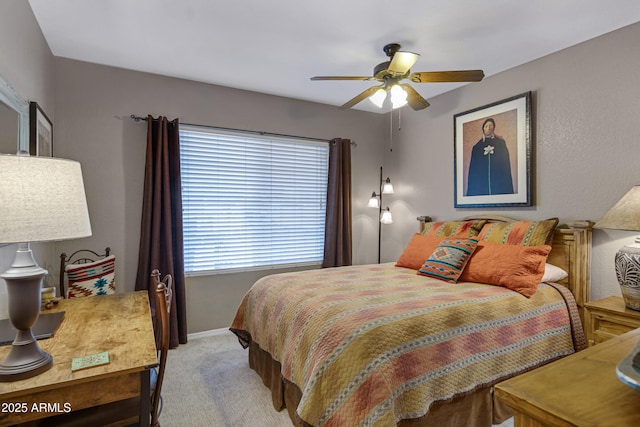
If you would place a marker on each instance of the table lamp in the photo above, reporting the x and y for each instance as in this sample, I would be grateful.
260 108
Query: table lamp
41 199
625 215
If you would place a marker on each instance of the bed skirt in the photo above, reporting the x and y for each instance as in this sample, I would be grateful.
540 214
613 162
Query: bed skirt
478 409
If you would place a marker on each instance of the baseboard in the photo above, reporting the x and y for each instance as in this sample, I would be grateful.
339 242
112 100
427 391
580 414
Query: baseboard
209 333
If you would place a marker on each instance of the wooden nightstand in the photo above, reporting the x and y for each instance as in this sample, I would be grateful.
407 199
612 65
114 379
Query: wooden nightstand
578 390
607 318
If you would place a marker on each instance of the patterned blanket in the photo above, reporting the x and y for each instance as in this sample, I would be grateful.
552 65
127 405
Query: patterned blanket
373 345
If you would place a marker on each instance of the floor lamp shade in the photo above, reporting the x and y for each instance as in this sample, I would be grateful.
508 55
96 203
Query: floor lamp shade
625 215
41 199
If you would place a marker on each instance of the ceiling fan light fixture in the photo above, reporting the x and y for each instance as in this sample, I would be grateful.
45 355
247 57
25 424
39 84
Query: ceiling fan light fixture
378 97
398 96
398 68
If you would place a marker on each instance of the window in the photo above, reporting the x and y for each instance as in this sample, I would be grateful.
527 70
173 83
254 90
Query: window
251 201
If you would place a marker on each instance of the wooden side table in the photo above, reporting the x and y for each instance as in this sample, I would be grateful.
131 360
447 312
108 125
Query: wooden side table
607 318
578 390
120 324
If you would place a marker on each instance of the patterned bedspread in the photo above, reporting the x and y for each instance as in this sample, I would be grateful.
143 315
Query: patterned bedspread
375 344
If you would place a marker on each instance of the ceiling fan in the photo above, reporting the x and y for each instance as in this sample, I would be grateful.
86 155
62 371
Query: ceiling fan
396 69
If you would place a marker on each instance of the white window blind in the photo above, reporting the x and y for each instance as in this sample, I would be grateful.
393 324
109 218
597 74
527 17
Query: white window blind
251 201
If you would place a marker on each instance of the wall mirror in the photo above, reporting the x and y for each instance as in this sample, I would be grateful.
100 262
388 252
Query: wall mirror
14 121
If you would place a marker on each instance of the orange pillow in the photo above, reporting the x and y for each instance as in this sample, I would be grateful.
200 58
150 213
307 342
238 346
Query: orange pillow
418 250
519 268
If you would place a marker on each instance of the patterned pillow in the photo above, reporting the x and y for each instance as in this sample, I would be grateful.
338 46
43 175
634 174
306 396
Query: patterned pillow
453 228
448 260
524 233
94 278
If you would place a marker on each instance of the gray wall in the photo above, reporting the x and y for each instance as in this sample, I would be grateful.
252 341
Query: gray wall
26 62
586 132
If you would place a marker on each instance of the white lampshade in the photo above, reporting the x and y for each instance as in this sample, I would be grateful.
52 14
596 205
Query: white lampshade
378 97
387 188
624 215
386 217
398 96
41 199
374 201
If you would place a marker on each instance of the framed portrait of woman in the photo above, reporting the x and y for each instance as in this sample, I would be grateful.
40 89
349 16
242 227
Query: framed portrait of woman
492 154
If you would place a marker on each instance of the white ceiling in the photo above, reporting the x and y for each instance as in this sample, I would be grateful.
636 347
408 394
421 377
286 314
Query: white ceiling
274 47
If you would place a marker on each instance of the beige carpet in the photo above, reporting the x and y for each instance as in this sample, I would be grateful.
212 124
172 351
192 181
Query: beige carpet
208 383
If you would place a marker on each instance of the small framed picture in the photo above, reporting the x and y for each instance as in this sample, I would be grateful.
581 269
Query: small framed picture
40 132
492 154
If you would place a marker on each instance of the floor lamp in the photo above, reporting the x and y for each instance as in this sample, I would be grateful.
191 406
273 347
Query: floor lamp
384 217
41 199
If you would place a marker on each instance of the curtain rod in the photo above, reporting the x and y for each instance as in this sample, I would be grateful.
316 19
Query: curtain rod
353 143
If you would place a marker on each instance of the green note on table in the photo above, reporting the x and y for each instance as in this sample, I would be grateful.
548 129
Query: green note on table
89 361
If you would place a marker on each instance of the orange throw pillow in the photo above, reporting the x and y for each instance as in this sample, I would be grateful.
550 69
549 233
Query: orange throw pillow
418 250
519 268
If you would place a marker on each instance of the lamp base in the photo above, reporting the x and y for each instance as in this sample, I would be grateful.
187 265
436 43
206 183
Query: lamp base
25 360
628 274
24 282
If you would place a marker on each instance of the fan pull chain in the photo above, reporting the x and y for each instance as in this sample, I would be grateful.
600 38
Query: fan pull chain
391 126
391 130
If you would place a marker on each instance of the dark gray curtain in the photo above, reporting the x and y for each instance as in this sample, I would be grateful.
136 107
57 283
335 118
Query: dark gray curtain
337 235
161 244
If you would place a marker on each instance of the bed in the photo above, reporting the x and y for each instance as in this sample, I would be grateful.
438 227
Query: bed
384 345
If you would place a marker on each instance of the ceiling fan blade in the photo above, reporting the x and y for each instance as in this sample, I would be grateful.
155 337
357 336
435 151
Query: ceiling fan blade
341 78
362 96
447 76
414 99
402 62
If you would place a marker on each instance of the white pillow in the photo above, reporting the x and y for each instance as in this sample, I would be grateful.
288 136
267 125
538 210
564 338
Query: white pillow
553 273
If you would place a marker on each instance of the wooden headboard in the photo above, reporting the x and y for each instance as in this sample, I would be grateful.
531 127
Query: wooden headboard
571 251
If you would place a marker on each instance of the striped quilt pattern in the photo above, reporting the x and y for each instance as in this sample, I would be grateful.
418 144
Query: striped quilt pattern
372 345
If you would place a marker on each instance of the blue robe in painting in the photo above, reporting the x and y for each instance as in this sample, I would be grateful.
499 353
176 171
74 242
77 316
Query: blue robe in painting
489 173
